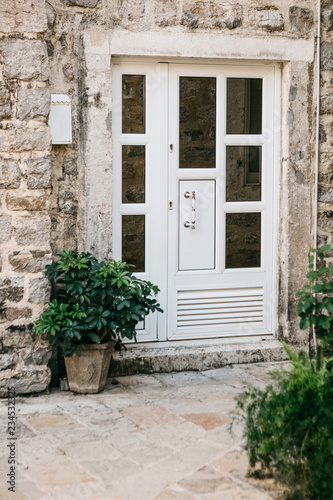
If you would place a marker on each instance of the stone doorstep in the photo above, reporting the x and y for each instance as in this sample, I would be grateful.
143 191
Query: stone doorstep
138 359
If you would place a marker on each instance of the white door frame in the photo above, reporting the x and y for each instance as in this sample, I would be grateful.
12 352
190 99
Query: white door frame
161 238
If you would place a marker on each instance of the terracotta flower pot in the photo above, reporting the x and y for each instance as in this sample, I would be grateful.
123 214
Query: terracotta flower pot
88 373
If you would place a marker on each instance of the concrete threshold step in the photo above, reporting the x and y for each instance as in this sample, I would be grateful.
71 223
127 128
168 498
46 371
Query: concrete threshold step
138 359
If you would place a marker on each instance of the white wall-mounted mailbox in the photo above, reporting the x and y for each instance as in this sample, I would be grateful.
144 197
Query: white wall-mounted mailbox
60 121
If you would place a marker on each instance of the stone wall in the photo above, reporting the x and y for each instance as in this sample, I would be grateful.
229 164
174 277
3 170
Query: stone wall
25 185
325 192
42 49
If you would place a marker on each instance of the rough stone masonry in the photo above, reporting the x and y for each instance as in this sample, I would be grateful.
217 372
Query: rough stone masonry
44 189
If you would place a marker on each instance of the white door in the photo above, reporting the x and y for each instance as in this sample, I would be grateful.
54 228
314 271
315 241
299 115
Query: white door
194 194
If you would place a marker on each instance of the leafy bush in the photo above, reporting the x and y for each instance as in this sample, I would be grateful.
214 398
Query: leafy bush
95 302
289 428
315 305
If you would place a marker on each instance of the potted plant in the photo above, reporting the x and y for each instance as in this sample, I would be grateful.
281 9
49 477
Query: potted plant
95 305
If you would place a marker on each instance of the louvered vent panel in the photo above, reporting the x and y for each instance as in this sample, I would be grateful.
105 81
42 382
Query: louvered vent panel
219 307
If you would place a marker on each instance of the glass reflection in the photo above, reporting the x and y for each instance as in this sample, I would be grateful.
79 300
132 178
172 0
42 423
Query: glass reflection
197 119
133 174
244 105
133 104
133 241
243 237
243 173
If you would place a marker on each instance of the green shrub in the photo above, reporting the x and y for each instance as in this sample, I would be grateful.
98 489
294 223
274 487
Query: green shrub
315 306
289 428
94 302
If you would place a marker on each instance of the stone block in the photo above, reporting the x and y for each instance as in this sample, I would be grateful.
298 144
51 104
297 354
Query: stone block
326 103
39 357
325 220
32 230
326 56
17 337
24 137
29 261
66 227
5 228
68 72
5 104
8 360
269 18
51 16
26 381
31 203
39 291
208 421
212 15
149 415
325 194
322 134
132 11
81 3
50 48
67 202
326 178
33 103
165 12
11 289
327 16
25 16
24 59
10 174
326 162
301 19
13 313
69 166
39 171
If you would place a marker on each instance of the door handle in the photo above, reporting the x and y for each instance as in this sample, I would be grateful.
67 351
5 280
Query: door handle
191 224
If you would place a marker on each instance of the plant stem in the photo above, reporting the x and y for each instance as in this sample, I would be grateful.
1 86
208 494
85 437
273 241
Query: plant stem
319 355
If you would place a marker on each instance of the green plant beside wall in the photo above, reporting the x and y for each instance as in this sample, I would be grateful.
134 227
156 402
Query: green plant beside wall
96 302
288 427
315 307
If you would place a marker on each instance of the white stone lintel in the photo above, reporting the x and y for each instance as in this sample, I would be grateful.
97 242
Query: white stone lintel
198 45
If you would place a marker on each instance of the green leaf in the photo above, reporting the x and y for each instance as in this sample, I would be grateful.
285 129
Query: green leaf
324 248
312 275
304 323
93 336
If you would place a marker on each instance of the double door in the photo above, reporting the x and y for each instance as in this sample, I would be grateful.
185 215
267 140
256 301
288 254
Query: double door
194 177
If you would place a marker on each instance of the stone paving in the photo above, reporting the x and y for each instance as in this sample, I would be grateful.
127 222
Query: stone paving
158 437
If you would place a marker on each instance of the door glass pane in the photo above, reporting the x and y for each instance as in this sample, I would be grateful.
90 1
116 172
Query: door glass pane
243 236
133 106
133 174
133 241
243 173
244 105
197 118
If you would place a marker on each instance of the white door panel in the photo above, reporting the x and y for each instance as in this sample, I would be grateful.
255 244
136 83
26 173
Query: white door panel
221 271
203 212
196 225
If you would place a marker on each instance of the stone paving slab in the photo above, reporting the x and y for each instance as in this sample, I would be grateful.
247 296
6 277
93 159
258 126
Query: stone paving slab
149 437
